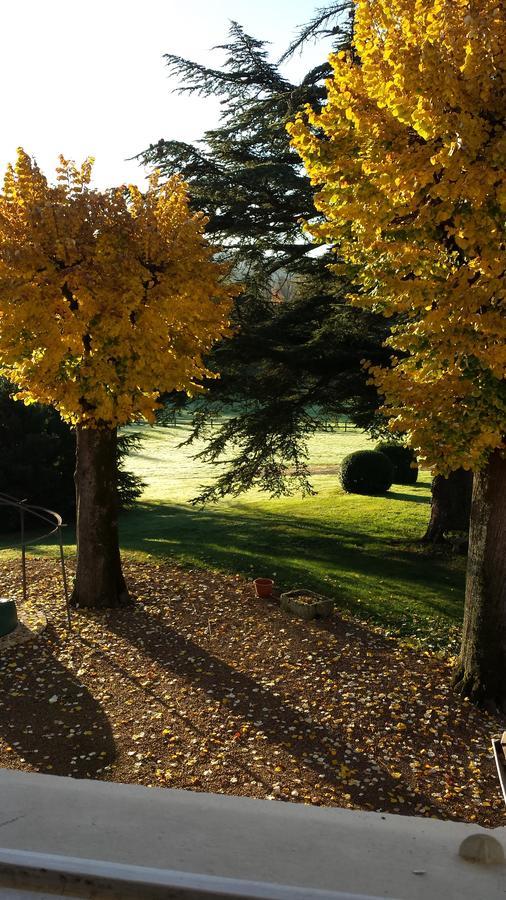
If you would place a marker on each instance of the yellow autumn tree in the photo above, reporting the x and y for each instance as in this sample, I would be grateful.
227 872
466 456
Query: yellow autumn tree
409 153
107 299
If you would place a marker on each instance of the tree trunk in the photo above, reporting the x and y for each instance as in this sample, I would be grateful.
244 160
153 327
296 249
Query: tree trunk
451 504
481 673
99 580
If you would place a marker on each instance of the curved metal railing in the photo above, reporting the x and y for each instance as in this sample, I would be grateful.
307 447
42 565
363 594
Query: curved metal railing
51 518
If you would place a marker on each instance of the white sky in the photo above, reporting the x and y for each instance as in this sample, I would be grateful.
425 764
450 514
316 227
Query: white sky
88 78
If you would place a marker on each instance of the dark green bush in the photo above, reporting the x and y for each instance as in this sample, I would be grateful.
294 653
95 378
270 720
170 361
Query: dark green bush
366 472
38 458
401 458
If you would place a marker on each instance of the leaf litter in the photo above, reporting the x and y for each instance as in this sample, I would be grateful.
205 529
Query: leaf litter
201 685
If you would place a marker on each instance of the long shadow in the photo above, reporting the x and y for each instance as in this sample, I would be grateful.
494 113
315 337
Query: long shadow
47 716
253 703
412 498
237 540
158 697
170 523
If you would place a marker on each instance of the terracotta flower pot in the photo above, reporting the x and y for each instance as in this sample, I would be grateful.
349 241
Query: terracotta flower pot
263 587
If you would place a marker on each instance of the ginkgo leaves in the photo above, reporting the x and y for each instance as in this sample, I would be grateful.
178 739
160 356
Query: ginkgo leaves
106 298
409 154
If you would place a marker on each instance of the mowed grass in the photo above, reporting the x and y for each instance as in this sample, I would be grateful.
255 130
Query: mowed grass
362 551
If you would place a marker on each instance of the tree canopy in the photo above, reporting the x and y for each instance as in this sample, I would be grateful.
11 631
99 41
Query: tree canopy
297 352
408 155
243 174
106 298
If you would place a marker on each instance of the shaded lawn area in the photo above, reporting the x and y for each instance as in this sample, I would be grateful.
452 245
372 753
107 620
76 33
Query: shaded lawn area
362 551
202 686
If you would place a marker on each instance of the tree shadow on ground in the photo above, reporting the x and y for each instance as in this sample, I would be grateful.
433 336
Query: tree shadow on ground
411 498
284 726
297 549
67 735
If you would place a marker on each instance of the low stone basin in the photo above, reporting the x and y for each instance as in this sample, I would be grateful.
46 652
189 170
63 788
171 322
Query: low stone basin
306 604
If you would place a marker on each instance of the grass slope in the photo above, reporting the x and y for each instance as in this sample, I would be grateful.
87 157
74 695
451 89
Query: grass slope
362 551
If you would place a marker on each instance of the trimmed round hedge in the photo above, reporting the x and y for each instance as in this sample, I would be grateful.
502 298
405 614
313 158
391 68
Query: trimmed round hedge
401 458
366 472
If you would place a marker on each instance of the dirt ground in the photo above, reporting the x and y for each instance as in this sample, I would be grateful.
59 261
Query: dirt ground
200 685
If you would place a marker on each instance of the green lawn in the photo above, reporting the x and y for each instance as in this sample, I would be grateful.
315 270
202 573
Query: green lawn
362 551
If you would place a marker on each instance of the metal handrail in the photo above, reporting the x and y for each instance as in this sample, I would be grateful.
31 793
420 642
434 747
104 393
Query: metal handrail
52 518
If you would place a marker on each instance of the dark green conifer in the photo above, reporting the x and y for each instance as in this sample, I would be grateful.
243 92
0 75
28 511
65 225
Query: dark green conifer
297 355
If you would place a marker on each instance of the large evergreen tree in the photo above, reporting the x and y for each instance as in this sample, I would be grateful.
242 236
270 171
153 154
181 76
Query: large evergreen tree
299 347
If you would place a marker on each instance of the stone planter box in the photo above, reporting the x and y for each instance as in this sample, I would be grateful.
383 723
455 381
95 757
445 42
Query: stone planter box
292 601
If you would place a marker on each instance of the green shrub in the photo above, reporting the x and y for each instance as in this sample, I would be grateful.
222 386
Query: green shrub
366 472
401 458
38 458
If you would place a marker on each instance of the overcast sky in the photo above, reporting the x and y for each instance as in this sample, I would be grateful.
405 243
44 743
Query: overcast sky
88 78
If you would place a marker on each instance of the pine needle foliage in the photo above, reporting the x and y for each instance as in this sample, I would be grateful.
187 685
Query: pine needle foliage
296 354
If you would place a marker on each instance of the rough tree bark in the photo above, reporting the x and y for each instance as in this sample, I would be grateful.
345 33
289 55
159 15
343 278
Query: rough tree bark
99 581
450 505
481 672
